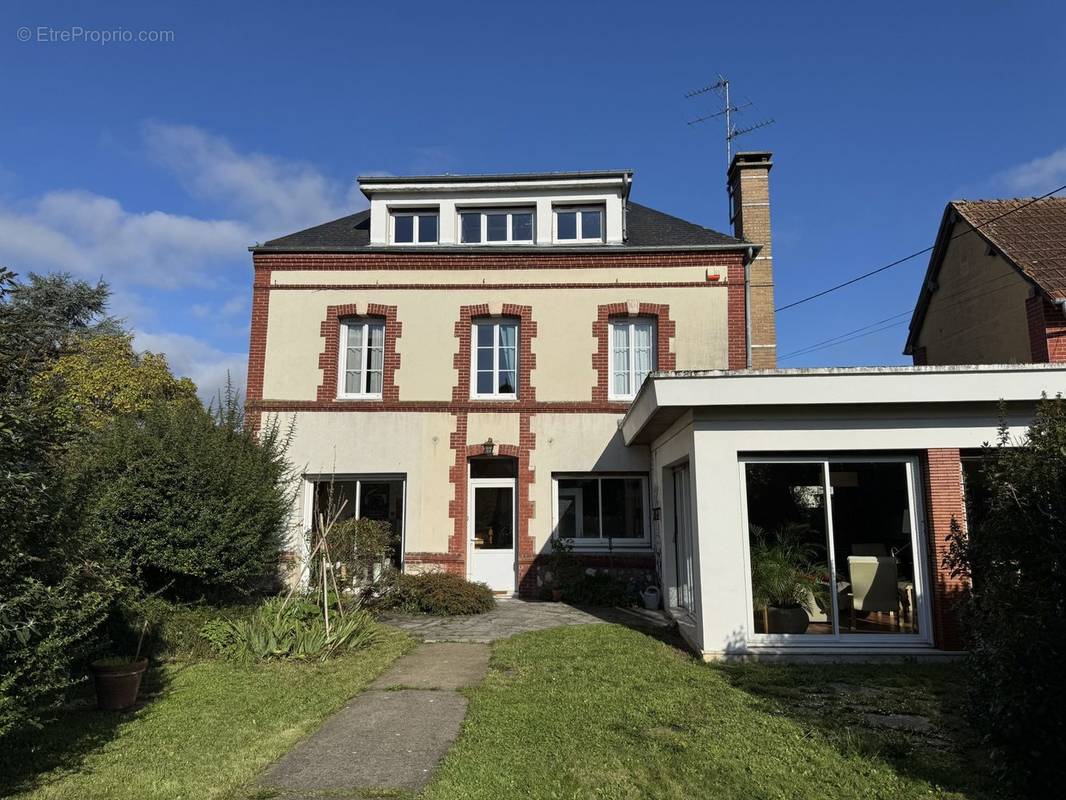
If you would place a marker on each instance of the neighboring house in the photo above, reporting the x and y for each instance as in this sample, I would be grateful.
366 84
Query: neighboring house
995 289
459 356
491 361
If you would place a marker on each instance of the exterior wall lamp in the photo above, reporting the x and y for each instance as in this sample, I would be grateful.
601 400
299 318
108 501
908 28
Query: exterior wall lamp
489 447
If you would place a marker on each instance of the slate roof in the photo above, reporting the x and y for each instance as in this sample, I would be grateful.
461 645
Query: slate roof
645 228
1030 235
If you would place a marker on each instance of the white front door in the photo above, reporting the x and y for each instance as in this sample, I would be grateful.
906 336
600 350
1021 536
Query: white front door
491 525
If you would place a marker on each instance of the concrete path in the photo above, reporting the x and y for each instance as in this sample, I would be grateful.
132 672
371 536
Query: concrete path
390 737
513 616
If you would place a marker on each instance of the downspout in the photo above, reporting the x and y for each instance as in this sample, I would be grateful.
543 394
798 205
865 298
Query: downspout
747 304
626 186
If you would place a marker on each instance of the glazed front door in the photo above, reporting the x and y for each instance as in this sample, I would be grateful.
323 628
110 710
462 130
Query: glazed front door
491 521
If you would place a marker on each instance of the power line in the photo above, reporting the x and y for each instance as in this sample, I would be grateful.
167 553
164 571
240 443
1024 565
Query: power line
844 338
914 255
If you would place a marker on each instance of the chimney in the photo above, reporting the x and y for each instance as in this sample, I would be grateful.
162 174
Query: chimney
749 212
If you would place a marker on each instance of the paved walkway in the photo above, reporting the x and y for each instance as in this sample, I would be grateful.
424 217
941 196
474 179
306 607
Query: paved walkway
392 736
513 616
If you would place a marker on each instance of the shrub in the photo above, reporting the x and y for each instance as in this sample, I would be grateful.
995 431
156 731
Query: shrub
198 503
361 548
603 590
437 593
1015 556
280 629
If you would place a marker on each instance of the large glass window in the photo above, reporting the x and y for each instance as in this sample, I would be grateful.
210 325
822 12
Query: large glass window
602 510
496 226
632 355
362 357
370 497
832 547
495 352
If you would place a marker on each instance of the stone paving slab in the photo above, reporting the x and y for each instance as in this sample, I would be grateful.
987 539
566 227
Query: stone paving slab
441 665
381 740
513 616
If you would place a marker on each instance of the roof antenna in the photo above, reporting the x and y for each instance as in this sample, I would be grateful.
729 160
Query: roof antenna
721 88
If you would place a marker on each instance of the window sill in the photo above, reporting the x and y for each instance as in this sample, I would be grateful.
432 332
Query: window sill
495 398
376 397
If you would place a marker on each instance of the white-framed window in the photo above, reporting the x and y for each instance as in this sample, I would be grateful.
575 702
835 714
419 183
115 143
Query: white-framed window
598 510
415 226
497 226
631 355
362 358
579 224
494 348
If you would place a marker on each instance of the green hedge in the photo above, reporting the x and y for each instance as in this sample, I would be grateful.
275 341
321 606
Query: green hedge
436 593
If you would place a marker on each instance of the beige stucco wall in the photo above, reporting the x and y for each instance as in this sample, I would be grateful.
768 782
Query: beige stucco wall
977 315
563 346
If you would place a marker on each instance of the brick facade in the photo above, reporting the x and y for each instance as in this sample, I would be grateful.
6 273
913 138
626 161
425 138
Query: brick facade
1047 330
665 329
945 506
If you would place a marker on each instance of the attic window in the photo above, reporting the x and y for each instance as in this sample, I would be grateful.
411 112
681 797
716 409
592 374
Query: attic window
497 226
414 227
579 224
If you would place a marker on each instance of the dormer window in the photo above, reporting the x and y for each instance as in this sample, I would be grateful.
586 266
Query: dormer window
579 224
414 227
497 226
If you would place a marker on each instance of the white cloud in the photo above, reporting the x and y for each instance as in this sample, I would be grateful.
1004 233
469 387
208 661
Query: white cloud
273 195
1036 177
193 358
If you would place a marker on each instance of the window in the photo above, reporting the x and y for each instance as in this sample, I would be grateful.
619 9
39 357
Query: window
362 357
414 227
632 356
602 511
834 548
574 224
343 497
495 354
496 226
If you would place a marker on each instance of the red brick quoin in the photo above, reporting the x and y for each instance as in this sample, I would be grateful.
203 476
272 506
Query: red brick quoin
944 505
665 330
330 356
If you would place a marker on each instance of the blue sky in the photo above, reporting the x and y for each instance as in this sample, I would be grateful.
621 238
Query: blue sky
154 165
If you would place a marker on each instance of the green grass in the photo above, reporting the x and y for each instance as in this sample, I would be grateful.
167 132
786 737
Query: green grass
211 727
604 712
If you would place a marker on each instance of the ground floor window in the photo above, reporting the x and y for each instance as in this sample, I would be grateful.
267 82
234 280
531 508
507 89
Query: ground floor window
364 497
602 510
834 548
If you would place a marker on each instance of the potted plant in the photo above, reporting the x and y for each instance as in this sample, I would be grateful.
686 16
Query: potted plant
783 578
117 679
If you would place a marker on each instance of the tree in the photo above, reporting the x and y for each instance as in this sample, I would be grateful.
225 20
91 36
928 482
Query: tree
198 503
54 588
1015 558
101 376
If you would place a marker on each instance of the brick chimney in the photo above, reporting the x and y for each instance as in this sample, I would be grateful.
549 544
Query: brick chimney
749 210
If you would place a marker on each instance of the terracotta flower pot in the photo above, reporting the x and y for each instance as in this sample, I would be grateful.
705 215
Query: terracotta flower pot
117 685
787 620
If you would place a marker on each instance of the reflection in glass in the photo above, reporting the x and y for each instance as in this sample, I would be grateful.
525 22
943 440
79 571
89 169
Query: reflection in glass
566 224
493 518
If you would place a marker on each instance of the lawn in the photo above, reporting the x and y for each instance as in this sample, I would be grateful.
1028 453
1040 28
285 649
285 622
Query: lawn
208 727
604 712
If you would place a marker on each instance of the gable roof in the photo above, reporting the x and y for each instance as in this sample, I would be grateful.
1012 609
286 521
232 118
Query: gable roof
646 228
1030 234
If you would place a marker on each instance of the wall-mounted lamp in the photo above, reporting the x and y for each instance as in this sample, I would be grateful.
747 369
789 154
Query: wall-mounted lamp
489 447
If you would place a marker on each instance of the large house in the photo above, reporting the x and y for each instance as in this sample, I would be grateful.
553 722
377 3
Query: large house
995 289
490 362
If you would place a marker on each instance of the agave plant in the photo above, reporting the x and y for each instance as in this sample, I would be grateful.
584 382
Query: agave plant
784 568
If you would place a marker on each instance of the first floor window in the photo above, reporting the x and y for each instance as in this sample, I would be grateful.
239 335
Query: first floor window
632 355
593 509
414 227
362 357
495 346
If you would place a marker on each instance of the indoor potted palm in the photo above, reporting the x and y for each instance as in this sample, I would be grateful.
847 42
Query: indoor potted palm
783 579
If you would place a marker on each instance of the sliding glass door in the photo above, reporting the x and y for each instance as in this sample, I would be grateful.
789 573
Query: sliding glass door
834 548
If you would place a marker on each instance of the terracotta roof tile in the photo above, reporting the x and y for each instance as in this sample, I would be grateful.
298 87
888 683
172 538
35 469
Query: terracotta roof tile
1034 238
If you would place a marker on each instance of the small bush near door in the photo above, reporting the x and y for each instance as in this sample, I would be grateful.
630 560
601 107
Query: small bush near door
436 593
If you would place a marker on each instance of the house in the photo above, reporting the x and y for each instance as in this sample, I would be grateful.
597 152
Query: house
489 362
995 289
458 357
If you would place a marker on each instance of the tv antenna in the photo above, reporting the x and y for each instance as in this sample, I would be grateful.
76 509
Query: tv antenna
721 88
